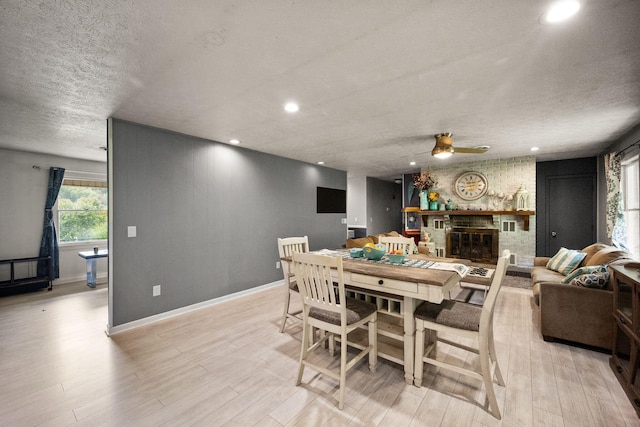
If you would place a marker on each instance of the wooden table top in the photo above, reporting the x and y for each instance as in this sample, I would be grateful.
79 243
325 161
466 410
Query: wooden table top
430 276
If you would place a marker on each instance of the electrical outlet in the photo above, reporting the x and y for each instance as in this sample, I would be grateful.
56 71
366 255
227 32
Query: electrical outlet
277 264
156 290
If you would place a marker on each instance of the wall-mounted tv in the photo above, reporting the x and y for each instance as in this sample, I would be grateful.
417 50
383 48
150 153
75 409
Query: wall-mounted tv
331 200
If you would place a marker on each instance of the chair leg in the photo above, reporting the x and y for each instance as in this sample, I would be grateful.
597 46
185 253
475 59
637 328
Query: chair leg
373 343
287 298
419 356
494 359
485 366
343 368
303 351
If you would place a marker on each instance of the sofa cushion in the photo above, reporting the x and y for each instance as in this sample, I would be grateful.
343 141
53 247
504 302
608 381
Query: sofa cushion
543 274
591 250
566 260
579 272
598 278
606 255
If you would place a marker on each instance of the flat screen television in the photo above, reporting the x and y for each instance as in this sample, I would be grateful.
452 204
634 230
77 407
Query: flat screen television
331 200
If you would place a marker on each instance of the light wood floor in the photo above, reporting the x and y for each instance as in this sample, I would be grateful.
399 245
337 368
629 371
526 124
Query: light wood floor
228 365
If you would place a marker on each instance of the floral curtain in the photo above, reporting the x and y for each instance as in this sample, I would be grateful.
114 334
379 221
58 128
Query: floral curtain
615 216
49 244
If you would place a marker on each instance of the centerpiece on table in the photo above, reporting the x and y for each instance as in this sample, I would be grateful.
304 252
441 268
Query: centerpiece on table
425 182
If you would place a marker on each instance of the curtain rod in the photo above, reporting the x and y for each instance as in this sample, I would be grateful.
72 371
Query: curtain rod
630 146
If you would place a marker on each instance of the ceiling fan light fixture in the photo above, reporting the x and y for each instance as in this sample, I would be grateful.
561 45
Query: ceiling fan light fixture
443 148
442 152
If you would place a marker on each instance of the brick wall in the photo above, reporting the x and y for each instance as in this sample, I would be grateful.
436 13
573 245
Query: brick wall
503 176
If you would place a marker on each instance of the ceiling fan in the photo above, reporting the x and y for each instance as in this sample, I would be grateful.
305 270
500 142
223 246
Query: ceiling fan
444 147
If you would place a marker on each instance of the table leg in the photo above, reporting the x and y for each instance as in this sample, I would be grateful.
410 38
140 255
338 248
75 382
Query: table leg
91 272
409 338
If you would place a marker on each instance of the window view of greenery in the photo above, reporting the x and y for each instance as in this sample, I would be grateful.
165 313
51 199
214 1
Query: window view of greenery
82 213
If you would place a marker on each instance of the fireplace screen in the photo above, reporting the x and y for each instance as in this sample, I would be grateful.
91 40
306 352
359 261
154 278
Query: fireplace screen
475 244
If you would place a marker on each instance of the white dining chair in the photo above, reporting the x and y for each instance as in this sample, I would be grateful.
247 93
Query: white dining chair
405 244
287 247
326 307
467 321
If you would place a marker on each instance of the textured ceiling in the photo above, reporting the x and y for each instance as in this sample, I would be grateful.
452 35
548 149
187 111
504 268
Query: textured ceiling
375 80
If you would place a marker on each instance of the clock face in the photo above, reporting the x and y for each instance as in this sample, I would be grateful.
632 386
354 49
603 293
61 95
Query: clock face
471 185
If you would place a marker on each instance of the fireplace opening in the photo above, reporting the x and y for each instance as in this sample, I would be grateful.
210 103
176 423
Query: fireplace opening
475 244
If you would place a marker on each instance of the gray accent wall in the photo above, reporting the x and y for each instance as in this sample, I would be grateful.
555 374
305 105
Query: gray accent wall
384 206
207 217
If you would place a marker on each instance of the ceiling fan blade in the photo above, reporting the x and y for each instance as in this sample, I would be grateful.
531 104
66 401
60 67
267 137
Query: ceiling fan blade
470 150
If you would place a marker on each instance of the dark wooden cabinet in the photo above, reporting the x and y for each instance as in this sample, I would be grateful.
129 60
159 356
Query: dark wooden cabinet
625 359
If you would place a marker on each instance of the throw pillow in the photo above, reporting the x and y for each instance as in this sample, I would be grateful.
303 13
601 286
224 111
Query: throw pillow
579 272
565 261
606 255
597 279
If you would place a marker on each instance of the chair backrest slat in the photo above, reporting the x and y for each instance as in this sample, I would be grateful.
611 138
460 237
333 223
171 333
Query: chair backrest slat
316 276
405 244
490 301
287 246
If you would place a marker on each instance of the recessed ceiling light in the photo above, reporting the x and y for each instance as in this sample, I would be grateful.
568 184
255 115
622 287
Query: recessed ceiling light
321 163
534 148
291 107
234 141
412 163
561 10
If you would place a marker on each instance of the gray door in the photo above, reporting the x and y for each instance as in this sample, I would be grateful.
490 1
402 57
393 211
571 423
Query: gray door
571 212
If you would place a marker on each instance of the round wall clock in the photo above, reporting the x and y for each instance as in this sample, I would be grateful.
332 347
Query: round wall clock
471 185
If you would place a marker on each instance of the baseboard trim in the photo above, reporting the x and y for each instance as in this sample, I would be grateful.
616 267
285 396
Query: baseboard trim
113 330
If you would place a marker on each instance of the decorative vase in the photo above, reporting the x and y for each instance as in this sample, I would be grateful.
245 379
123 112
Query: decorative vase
424 201
433 206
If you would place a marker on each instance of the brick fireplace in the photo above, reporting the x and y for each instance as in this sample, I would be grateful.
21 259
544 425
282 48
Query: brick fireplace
472 237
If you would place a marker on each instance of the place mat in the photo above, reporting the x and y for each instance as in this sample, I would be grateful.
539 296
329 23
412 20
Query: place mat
461 269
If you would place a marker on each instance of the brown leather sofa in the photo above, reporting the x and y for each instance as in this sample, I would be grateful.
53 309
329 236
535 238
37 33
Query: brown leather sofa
574 313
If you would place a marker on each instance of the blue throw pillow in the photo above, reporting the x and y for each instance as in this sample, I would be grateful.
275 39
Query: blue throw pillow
579 272
597 279
566 260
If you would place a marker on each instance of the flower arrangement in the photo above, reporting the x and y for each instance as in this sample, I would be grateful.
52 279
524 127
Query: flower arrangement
423 181
433 196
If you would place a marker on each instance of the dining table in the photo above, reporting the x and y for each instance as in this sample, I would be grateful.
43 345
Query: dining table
397 289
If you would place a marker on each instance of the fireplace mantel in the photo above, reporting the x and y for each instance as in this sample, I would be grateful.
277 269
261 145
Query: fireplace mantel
524 214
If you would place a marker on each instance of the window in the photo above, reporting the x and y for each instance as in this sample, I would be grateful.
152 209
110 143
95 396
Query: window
629 184
82 211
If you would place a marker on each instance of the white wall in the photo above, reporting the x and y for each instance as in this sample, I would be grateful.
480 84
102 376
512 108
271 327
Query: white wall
22 198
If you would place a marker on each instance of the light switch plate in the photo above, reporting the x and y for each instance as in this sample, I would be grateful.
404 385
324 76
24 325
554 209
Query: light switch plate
131 231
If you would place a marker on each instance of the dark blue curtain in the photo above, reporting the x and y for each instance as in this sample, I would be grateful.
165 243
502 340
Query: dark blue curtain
49 244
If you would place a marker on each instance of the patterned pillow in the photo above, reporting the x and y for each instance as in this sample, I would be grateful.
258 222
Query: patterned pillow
565 261
579 272
597 279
